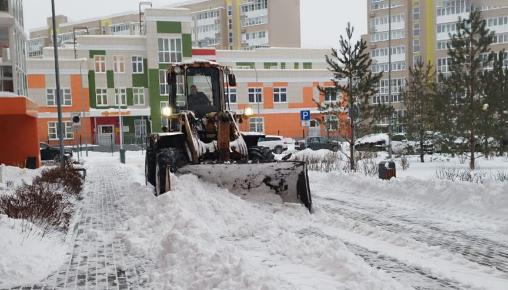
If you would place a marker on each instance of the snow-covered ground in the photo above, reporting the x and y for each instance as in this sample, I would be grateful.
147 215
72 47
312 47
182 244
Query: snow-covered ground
26 256
411 232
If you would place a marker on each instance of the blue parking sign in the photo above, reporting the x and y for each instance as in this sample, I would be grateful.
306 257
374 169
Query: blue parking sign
305 115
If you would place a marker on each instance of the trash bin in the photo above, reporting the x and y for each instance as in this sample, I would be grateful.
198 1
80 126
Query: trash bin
387 170
31 162
122 155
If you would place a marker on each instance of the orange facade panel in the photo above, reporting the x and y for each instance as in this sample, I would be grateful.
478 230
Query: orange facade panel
18 123
83 133
36 81
79 96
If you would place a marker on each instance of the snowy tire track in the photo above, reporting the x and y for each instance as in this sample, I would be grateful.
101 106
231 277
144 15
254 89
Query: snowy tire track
473 248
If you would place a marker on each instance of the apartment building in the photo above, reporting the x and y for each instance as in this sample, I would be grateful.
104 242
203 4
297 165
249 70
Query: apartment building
108 76
245 24
220 24
420 30
12 48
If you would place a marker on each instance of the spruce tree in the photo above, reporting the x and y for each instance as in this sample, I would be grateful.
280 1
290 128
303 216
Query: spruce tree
419 98
469 52
495 106
353 79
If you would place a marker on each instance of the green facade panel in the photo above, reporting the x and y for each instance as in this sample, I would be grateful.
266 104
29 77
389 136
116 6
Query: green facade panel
169 27
187 45
141 80
245 64
130 97
155 99
91 87
93 53
269 65
111 79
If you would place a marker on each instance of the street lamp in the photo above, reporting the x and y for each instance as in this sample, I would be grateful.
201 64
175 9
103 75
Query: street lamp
60 128
248 112
141 4
390 118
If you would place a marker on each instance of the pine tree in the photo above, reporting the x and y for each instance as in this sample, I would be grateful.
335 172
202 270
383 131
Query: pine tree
419 97
469 52
495 106
354 80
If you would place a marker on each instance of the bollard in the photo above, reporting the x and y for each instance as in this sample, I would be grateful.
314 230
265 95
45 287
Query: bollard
122 155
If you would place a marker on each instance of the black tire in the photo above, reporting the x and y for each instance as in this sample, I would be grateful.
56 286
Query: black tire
260 154
161 181
278 150
167 158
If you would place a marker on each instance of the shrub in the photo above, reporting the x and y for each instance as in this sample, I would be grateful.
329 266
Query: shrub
475 176
40 205
67 179
404 162
47 201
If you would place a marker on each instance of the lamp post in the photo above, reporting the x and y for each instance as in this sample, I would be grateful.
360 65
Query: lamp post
390 118
119 103
60 128
83 109
256 90
140 18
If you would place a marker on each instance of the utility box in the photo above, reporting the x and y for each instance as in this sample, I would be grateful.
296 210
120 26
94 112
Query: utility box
387 170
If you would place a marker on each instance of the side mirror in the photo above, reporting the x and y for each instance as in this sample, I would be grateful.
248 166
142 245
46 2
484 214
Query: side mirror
232 80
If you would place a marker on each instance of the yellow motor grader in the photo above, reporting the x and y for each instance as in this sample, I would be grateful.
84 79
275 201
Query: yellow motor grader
202 137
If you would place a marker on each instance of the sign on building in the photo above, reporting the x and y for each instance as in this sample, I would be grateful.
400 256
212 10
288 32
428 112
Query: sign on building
305 118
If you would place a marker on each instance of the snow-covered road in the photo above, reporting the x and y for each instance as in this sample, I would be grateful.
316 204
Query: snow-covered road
364 234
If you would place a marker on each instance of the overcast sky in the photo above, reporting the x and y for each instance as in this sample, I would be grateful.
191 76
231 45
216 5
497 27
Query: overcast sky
322 20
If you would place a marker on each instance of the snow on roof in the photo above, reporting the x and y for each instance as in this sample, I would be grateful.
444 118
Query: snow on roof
9 95
373 138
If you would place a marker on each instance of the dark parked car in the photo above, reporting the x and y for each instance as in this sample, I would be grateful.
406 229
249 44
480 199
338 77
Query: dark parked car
316 143
53 153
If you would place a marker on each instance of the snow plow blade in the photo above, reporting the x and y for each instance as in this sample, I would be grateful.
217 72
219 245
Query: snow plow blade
287 179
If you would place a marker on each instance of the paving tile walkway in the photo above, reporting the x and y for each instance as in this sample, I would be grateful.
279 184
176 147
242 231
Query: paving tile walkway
97 259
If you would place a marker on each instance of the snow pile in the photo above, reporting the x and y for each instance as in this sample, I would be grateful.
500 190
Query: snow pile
204 237
15 176
27 258
489 198
373 138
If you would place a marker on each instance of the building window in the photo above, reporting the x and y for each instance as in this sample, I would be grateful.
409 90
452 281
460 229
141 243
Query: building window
163 83
170 50
256 124
120 97
255 95
53 131
280 95
65 97
137 65
101 97
332 122
140 128
138 95
330 95
119 63
100 63
307 65
232 95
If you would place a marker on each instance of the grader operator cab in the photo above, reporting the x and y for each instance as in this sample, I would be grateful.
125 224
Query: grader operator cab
203 138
